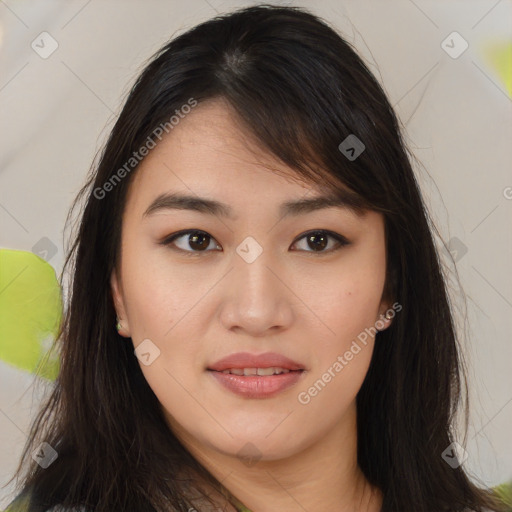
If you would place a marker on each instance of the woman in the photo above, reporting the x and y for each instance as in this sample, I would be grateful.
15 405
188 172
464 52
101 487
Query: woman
258 318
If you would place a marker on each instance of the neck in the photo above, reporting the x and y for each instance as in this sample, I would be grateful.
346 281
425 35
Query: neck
322 476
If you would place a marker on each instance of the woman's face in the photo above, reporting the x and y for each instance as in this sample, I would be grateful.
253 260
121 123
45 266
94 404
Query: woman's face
250 282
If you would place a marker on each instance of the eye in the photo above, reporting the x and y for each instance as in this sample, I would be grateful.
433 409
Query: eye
198 240
319 240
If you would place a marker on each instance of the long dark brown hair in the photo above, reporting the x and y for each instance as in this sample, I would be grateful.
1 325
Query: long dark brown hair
300 89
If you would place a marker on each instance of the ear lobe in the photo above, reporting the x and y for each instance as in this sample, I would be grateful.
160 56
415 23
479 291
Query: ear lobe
386 316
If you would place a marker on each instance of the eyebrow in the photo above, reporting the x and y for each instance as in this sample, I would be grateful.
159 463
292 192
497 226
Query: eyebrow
176 201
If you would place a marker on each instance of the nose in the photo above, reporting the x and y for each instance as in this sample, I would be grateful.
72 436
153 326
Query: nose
257 299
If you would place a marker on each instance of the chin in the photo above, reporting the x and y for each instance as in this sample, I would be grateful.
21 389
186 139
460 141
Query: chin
261 447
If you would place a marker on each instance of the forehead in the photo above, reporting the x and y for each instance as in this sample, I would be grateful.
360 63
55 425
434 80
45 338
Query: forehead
209 153
211 136
209 149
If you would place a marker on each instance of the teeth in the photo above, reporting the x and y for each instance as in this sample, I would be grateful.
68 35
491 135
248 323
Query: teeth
267 371
273 370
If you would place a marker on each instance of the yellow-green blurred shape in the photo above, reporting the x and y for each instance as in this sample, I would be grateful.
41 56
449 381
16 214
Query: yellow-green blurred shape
504 491
498 54
30 312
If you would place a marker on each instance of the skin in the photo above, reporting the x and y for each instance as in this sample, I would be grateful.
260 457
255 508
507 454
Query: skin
306 305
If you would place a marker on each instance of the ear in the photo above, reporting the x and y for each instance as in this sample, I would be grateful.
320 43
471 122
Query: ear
386 315
119 305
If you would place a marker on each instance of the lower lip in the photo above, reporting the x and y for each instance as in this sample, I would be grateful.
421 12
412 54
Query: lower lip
255 386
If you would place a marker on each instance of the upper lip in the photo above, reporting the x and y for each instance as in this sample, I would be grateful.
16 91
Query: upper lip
246 360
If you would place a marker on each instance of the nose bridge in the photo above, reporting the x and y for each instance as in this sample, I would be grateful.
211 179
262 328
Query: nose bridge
254 280
257 298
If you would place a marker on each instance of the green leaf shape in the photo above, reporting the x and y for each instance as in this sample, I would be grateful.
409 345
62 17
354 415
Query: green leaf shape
30 312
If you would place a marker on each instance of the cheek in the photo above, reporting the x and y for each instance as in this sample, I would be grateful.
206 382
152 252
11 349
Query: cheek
348 304
163 305
348 308
158 293
341 362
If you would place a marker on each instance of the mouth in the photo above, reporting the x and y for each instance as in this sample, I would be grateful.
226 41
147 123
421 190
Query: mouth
260 372
256 376
256 362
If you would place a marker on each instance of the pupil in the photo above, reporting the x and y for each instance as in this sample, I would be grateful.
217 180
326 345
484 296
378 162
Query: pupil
317 245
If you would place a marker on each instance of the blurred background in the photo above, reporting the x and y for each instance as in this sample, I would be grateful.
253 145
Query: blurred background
446 66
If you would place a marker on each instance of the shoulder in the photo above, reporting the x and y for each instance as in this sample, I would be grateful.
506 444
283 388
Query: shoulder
22 504
60 508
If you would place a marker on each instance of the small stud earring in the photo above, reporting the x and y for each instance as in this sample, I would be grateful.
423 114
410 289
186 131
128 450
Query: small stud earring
386 316
118 325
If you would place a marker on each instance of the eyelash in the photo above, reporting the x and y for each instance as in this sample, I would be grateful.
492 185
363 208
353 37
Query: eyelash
341 240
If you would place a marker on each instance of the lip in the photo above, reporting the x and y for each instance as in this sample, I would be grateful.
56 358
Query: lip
256 386
247 360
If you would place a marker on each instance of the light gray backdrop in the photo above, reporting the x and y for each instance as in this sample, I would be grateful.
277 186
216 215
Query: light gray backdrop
56 110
